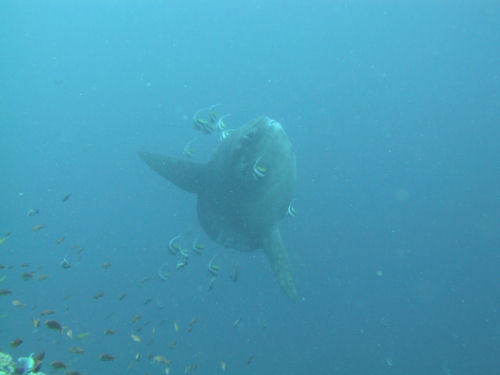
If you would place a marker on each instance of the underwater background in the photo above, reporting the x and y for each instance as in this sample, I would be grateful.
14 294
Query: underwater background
393 109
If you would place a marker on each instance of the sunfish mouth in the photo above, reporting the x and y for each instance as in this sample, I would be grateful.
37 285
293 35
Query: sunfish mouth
273 124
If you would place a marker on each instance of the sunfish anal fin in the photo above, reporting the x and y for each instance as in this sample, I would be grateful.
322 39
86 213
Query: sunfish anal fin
278 257
187 175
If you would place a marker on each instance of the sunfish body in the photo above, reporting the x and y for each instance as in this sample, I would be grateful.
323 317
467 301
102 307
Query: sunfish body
244 190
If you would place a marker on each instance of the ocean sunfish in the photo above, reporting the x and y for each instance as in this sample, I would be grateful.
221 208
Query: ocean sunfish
243 191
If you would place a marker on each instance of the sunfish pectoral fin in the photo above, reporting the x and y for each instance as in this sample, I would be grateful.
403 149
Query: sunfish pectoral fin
278 257
185 174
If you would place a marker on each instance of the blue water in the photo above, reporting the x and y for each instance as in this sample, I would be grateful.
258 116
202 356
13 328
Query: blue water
393 110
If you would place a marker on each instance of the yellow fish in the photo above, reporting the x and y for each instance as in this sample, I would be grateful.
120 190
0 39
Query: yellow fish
82 335
136 338
17 303
161 359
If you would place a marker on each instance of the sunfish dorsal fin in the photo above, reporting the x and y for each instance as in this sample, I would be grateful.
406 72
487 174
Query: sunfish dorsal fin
185 174
278 257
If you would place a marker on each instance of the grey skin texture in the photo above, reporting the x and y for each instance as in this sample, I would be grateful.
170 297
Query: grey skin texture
244 190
